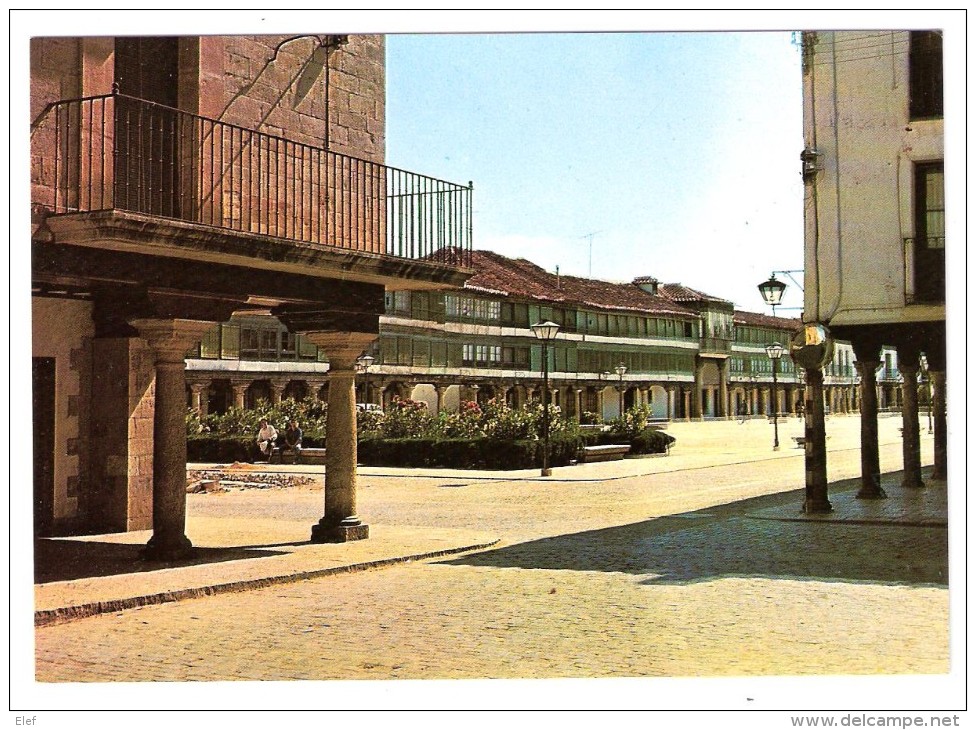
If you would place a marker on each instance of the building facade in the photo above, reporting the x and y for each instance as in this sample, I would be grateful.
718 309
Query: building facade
182 182
684 354
875 223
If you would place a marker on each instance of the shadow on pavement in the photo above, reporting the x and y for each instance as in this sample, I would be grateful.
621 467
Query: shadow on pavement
61 559
728 541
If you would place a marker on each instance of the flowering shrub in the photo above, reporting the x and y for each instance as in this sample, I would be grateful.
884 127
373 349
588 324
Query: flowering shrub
241 422
405 418
466 423
633 422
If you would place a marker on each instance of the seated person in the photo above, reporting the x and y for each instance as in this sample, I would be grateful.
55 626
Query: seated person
267 435
293 441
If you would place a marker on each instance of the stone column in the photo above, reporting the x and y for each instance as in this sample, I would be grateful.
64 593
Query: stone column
277 390
169 339
940 445
340 523
870 458
696 396
198 402
686 400
908 365
440 390
723 389
669 412
816 500
240 388
314 387
578 400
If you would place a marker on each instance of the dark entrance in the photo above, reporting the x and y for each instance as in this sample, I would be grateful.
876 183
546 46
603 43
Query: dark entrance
42 384
930 232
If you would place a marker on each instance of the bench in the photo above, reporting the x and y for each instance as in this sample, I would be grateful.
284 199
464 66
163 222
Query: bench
308 456
608 452
801 441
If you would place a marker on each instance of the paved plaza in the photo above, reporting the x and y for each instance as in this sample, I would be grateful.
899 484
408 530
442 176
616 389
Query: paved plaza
695 564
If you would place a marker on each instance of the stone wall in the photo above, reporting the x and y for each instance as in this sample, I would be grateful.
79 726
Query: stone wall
122 434
277 84
62 329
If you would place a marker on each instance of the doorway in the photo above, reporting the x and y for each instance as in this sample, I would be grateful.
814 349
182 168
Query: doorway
43 391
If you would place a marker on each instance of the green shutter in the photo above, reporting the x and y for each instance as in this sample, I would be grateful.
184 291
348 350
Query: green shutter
230 341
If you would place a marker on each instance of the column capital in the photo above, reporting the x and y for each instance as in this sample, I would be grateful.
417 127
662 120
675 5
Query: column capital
171 338
342 348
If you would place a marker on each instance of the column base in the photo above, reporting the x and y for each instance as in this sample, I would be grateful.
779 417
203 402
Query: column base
871 492
340 533
912 483
167 549
816 506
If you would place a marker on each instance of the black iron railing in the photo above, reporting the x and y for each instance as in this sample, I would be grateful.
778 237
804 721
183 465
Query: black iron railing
117 152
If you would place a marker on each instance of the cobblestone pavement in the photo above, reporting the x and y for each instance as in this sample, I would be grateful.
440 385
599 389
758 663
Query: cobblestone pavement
689 571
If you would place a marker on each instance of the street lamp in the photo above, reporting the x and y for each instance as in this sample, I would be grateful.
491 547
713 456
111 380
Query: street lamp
928 389
364 363
772 291
620 370
546 332
775 352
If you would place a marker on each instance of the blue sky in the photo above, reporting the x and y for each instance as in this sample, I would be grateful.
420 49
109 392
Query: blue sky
678 152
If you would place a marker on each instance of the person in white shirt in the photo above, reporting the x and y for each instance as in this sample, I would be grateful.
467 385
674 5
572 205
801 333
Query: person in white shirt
267 435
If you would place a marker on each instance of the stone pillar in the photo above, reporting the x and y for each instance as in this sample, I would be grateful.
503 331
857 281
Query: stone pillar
240 388
277 390
686 400
314 388
816 499
908 365
197 401
578 400
870 459
440 390
169 339
697 407
723 389
670 404
940 462
340 523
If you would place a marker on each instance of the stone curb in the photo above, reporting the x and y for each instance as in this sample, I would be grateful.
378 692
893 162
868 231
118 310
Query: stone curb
54 616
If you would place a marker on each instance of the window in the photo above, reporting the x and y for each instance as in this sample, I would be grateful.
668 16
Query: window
925 75
398 302
289 345
930 232
210 344
259 344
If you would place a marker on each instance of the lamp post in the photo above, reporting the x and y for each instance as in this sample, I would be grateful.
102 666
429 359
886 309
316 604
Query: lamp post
546 332
928 389
364 362
772 292
775 352
620 370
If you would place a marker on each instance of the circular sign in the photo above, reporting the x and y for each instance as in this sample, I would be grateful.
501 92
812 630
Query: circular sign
812 347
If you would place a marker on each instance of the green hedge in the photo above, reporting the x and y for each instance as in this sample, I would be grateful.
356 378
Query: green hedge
647 441
477 453
208 449
457 453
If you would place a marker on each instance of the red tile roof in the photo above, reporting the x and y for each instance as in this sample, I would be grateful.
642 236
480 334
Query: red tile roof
523 279
682 293
753 319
